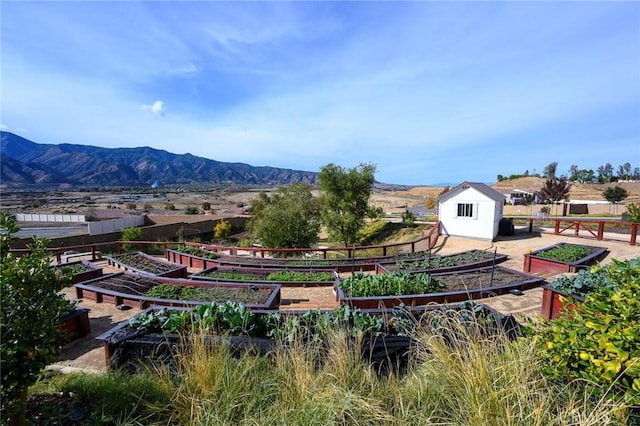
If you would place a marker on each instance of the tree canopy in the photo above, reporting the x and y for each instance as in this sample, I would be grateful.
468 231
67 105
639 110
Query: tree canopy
345 199
555 190
615 194
290 218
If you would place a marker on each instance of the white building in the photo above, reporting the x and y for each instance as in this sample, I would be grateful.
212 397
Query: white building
471 210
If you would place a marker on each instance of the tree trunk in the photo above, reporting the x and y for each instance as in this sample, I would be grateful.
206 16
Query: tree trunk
19 418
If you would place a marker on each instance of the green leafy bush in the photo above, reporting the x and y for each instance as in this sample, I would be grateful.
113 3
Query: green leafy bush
599 340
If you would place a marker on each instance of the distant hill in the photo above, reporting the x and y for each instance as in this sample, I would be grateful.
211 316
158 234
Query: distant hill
24 162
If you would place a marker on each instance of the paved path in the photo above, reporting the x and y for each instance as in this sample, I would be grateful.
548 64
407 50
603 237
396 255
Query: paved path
87 354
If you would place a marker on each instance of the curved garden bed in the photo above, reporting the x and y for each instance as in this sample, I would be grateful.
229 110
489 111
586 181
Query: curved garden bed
195 258
142 263
80 271
441 288
470 259
285 278
144 291
562 257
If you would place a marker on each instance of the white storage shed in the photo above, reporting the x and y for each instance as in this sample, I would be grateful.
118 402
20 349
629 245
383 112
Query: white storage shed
471 210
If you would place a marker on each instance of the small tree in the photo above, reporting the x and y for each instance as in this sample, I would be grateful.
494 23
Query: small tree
288 219
430 202
615 194
169 206
191 210
131 206
555 190
148 206
408 219
222 229
550 170
31 311
375 212
345 199
131 233
206 205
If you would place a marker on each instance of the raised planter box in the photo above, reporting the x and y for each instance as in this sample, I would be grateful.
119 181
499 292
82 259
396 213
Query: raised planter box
103 290
128 348
521 281
76 324
229 261
82 270
256 275
141 263
189 260
552 304
439 264
535 264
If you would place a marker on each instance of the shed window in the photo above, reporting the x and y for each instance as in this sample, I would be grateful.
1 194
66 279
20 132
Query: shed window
465 210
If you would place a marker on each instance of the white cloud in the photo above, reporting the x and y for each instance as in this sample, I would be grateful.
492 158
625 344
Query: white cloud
157 108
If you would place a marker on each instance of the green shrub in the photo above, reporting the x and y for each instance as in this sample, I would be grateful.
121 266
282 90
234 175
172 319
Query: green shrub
598 341
222 229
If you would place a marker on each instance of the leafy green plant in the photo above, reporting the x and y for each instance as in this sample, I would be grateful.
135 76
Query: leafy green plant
299 276
565 252
239 276
583 283
165 291
598 342
394 283
196 251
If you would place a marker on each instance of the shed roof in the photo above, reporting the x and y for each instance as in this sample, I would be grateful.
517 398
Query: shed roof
480 187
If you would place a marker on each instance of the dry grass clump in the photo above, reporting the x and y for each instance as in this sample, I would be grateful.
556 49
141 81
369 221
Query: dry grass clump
459 376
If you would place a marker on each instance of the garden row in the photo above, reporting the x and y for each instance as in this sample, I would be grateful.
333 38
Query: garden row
148 281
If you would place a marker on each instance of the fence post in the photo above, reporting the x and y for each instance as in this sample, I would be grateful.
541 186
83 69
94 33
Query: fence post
600 230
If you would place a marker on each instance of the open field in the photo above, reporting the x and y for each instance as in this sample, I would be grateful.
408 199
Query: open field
105 205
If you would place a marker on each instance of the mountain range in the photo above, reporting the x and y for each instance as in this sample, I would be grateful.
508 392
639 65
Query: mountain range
24 162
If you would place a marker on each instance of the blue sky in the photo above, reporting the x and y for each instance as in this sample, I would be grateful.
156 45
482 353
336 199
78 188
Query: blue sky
430 92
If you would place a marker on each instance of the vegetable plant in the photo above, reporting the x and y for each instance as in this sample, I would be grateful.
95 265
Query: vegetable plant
394 283
565 252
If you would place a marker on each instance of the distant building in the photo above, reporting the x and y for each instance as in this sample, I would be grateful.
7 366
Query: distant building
471 210
518 196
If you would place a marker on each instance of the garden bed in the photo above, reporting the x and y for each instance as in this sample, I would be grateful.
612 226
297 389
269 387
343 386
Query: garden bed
553 302
470 259
454 287
142 263
562 257
285 278
130 290
141 340
76 324
80 270
191 258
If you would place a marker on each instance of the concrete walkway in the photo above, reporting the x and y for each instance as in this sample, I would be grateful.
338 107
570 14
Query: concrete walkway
88 354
